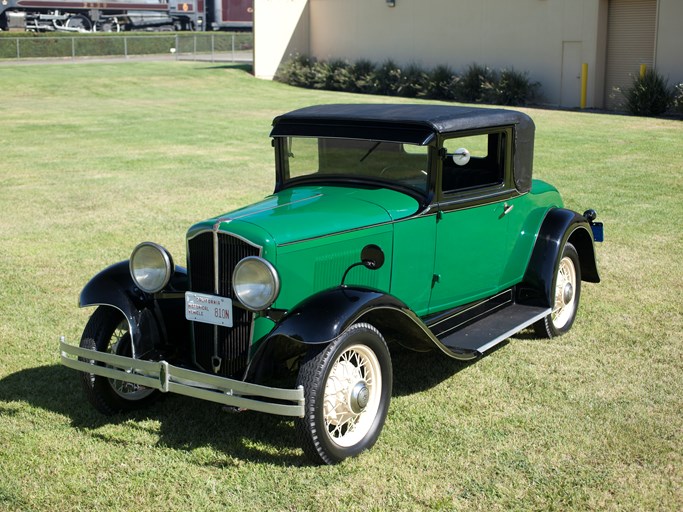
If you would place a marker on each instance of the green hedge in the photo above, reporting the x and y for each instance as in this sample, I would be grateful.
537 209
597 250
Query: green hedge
32 45
477 84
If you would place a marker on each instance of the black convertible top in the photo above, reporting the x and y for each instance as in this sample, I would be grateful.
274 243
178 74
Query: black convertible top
411 124
418 118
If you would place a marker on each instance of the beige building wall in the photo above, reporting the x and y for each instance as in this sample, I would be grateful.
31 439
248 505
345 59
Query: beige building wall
281 29
550 39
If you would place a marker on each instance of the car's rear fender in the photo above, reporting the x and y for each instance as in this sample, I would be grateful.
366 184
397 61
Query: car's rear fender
145 313
559 227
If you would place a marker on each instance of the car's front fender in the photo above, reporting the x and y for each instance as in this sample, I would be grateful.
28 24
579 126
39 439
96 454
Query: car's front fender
323 317
114 287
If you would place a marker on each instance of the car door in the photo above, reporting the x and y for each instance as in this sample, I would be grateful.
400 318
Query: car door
472 222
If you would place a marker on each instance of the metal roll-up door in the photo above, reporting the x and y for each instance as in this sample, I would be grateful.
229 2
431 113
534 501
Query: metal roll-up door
631 32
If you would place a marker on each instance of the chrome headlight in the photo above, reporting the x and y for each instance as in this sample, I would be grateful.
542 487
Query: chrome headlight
151 267
256 283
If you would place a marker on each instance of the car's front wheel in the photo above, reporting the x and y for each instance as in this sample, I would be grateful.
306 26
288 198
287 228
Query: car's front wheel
348 390
567 294
107 331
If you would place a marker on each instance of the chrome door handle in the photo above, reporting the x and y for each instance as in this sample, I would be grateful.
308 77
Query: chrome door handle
507 208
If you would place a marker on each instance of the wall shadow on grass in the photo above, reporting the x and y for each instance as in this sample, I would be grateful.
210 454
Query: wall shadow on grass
245 67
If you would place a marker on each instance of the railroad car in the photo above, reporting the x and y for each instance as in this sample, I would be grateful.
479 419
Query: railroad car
124 15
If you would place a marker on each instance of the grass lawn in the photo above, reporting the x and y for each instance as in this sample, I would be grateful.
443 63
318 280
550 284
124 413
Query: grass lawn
98 157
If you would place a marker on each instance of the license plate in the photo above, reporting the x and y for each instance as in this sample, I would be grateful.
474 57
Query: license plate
208 309
598 231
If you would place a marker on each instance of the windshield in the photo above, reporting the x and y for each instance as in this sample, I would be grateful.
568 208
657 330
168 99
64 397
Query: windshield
395 163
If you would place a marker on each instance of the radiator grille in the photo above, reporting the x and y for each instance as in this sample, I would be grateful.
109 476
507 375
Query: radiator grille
231 345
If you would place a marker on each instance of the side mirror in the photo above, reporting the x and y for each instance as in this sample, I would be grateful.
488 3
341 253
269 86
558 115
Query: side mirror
461 157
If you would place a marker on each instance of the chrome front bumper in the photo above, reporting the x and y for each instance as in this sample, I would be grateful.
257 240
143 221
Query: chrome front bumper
168 378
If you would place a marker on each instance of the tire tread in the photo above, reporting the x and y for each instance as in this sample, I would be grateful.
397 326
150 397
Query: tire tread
311 376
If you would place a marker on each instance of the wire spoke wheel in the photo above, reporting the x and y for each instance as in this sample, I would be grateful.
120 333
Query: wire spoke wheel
566 292
352 393
348 389
565 287
120 344
108 331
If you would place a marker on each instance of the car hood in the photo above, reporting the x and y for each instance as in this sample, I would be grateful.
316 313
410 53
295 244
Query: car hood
302 213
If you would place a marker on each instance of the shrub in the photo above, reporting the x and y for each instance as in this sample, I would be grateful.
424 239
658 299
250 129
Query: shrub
649 95
319 75
478 83
678 98
387 78
475 84
363 77
297 71
413 82
442 83
514 88
340 77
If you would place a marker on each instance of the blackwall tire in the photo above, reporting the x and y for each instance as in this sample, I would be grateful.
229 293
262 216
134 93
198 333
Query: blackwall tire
348 389
567 292
107 331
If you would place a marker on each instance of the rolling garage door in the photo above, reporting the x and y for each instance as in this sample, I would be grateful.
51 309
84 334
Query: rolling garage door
631 29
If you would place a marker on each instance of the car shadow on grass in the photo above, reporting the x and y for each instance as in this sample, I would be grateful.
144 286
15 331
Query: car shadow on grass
183 423
179 422
416 372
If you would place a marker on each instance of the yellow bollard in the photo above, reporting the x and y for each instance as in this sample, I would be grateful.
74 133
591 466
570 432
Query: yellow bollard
643 68
584 84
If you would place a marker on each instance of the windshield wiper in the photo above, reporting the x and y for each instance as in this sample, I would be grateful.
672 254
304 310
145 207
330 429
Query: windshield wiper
373 148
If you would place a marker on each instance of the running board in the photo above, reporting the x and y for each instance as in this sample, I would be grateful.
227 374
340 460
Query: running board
489 331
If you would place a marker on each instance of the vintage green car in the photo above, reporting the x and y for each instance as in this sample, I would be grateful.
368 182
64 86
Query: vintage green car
418 225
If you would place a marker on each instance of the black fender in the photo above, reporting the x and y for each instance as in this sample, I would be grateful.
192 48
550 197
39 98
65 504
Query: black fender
324 316
559 227
114 287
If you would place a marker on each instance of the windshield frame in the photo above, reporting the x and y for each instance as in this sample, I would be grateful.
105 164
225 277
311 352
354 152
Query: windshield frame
283 181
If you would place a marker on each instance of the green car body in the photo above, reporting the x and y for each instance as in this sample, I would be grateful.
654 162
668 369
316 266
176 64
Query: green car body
384 228
334 223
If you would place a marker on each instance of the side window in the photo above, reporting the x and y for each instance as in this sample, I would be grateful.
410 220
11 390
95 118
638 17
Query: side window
473 161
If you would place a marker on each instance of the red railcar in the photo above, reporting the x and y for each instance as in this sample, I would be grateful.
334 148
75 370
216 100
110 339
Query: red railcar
121 15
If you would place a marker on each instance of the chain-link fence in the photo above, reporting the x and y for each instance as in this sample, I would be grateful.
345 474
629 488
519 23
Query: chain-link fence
223 47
